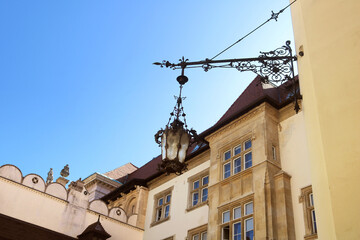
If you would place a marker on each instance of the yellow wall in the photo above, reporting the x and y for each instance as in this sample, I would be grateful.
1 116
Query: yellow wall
329 72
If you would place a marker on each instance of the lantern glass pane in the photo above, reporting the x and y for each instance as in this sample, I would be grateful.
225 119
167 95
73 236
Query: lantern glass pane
184 144
163 145
173 139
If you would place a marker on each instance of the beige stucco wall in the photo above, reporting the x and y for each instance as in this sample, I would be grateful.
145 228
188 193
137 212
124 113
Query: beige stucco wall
295 161
329 73
66 212
180 220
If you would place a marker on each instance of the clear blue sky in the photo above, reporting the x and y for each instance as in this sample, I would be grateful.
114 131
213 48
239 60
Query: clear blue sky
78 86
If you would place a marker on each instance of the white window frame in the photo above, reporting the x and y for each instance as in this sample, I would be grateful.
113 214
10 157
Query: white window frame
235 166
223 216
239 207
247 219
250 152
246 204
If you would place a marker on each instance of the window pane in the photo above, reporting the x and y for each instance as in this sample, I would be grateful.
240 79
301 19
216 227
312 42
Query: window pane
196 237
225 233
237 150
195 198
205 180
311 199
247 144
227 170
196 184
313 221
168 198
204 236
249 229
237 212
167 209
274 152
227 155
248 160
237 165
160 202
237 231
226 216
248 208
204 195
158 214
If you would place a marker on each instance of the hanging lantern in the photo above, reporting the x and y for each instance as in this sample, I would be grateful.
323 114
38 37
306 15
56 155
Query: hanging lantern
175 139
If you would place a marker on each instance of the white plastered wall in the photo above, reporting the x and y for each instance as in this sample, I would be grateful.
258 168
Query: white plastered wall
69 213
295 161
180 220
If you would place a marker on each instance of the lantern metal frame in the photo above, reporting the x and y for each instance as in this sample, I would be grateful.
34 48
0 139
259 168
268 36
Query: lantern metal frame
176 125
274 67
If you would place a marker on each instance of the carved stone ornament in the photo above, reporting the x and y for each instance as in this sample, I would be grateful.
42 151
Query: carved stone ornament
65 172
35 180
50 177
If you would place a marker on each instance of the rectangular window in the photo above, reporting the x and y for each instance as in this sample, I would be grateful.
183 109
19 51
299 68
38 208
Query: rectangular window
249 229
237 231
198 189
226 216
273 153
196 185
307 200
249 208
225 233
237 150
162 206
195 198
198 233
167 210
227 155
313 218
237 165
248 160
247 144
227 170
196 237
235 225
168 198
205 180
237 212
237 159
311 200
204 194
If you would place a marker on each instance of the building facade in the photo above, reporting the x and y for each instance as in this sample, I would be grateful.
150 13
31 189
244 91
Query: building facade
249 179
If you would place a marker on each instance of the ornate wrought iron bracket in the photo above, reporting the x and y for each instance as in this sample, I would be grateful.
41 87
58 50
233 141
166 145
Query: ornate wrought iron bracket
274 67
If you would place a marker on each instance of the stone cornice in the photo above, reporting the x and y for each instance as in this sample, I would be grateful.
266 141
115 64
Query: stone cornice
98 178
236 122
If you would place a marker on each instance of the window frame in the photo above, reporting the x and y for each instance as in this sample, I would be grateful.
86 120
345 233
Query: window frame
199 231
306 198
199 191
242 219
230 162
162 196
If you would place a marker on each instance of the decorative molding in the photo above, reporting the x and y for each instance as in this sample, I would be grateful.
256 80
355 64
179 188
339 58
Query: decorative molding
236 122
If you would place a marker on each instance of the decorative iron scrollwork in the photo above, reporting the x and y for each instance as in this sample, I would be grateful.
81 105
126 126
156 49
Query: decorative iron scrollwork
274 67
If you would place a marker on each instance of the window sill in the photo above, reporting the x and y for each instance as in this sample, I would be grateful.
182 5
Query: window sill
311 236
197 206
160 221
